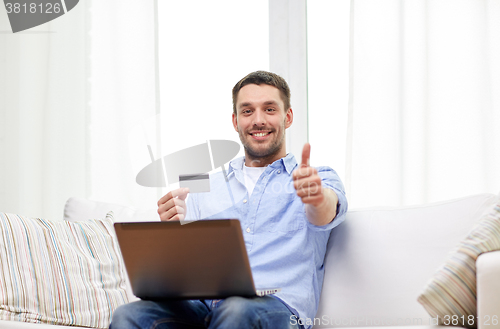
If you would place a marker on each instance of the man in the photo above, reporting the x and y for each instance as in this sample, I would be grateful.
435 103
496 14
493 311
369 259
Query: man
286 211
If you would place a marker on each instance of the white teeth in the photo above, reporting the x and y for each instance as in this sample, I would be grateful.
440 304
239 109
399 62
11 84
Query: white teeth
260 134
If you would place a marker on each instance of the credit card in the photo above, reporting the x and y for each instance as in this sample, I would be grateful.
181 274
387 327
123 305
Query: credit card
197 183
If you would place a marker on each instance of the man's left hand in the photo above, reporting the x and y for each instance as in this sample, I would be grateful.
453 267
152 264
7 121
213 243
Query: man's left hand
321 203
307 181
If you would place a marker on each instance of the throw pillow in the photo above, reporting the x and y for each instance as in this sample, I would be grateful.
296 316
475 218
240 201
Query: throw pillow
77 209
451 294
63 273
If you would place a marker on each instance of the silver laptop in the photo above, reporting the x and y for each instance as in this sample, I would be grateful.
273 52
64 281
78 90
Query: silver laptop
206 259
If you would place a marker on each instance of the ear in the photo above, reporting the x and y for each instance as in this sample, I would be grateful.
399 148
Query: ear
235 122
288 118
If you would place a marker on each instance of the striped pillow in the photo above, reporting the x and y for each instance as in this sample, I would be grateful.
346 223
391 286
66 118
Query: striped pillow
60 272
451 294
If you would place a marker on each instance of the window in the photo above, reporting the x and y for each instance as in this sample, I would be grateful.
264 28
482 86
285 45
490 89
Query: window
328 81
205 47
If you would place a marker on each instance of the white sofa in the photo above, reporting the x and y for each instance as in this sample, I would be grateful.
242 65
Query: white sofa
378 261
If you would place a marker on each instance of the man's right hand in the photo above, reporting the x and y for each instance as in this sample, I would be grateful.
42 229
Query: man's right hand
172 205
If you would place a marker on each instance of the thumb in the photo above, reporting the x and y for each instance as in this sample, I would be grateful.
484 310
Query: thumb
306 154
183 193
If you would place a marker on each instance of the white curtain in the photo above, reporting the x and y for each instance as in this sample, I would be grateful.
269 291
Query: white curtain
201 59
416 92
43 115
76 95
123 100
424 100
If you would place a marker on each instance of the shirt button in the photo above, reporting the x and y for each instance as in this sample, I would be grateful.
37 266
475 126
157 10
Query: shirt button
245 201
248 229
279 171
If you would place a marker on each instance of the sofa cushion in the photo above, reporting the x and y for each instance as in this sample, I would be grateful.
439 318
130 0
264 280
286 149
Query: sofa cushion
77 209
27 325
60 272
379 259
451 293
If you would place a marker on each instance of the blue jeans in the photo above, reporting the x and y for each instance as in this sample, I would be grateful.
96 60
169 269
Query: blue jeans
234 312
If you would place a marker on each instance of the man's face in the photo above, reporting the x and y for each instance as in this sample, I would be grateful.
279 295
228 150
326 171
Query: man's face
261 121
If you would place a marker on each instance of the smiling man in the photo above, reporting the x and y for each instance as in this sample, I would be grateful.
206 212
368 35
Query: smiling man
286 210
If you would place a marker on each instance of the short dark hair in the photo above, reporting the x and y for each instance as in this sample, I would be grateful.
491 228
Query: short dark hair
267 78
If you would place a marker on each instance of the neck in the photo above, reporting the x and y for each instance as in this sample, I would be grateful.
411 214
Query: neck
251 161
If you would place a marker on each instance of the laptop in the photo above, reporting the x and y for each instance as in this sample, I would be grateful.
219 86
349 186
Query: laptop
205 259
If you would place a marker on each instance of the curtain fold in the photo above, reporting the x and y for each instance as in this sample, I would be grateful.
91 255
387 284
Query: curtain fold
124 100
76 95
44 118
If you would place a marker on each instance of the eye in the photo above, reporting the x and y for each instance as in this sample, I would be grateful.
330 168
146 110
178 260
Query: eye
270 110
246 111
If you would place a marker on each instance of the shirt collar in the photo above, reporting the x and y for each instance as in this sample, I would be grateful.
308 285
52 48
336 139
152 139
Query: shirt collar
288 162
236 164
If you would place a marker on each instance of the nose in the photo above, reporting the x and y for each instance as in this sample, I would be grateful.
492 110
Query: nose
259 118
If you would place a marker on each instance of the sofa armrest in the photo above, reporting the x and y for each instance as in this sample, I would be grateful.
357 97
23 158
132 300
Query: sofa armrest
488 290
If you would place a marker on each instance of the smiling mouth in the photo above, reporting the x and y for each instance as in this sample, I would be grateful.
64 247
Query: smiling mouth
260 134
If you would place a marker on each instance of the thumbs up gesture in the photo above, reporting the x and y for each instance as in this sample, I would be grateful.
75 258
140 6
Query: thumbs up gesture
307 181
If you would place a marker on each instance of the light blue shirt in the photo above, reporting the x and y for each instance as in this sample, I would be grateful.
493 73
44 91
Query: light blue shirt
285 250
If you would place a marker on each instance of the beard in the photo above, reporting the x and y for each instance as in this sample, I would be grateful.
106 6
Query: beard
259 153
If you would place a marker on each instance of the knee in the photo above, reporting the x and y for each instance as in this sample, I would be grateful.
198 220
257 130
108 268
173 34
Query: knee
121 315
261 312
128 315
124 315
243 310
239 306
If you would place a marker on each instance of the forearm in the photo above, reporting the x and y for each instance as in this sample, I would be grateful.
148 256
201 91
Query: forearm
324 212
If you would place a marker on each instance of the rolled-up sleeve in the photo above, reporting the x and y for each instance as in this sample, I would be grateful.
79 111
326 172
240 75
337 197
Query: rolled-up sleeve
330 179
